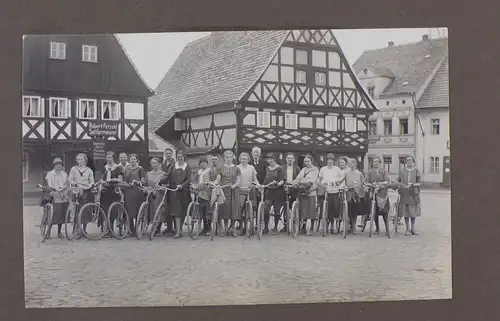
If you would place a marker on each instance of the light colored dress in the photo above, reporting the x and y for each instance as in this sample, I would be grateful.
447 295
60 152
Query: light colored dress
409 203
308 200
58 180
228 176
248 174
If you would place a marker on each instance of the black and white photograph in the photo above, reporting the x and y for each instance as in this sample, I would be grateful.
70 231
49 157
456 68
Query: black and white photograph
241 167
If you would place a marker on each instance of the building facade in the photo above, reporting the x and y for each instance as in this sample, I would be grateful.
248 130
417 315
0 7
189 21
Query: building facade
397 77
81 93
284 91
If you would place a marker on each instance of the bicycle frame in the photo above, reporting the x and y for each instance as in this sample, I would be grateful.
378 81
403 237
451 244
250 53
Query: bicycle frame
156 218
215 212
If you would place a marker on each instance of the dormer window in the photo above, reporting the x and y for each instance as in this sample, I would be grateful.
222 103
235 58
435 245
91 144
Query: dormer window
110 110
57 50
371 91
89 53
365 71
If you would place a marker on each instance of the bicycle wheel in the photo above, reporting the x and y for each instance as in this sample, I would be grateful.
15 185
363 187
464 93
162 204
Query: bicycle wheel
121 228
295 219
46 222
260 220
324 218
70 223
215 221
372 217
193 220
97 217
249 218
288 213
142 220
345 217
156 222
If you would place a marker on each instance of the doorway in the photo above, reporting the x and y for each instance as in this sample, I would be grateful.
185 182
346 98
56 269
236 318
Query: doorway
446 171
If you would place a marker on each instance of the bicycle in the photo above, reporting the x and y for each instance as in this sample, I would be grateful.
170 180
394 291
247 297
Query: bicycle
143 221
47 212
215 210
373 189
193 214
323 218
247 215
285 211
122 219
260 210
97 214
345 208
156 218
295 221
70 220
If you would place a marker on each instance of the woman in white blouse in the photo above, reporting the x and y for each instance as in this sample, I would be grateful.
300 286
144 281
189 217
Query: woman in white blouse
58 180
82 177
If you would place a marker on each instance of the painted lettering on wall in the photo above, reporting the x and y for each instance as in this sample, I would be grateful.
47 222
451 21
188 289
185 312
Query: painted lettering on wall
102 129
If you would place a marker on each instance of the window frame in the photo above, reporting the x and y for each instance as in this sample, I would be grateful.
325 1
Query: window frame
60 47
387 165
68 107
41 109
434 160
118 109
298 70
354 121
79 113
401 122
266 117
325 74
370 131
295 121
89 54
436 125
336 123
390 127
25 167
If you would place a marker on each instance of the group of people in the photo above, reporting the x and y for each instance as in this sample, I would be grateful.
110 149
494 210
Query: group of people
310 184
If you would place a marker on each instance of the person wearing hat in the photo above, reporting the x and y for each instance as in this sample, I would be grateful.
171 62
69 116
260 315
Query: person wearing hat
274 195
331 176
58 180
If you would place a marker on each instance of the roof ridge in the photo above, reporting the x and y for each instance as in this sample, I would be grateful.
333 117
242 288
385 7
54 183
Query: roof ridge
406 44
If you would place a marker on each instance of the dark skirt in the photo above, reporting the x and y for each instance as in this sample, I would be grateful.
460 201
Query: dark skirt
231 205
334 205
307 208
59 215
134 197
108 197
356 208
276 198
85 197
178 202
205 210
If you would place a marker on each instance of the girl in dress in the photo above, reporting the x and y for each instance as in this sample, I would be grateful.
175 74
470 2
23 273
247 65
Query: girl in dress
58 180
409 189
133 195
112 175
82 176
178 201
151 178
248 176
306 181
228 174
379 175
274 195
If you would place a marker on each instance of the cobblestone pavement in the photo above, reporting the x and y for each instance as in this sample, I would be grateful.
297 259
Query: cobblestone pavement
239 271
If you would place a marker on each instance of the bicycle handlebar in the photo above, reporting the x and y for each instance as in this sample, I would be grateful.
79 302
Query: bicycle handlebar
267 185
164 188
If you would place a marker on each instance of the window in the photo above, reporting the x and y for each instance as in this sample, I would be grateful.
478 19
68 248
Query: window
263 119
301 57
320 78
402 162
372 127
87 109
387 126
320 123
350 124
300 77
403 126
110 110
57 50
32 106
60 108
434 168
371 92
331 123
435 126
291 121
387 163
89 53
25 167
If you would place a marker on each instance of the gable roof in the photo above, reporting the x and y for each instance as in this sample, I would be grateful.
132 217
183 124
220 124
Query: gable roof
407 63
205 74
437 94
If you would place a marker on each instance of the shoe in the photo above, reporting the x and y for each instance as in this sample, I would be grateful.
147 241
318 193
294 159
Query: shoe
266 230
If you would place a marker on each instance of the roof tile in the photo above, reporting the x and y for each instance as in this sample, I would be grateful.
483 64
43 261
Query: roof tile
437 93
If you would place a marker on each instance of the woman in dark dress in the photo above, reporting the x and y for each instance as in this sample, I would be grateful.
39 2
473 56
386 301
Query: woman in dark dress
112 175
378 175
178 201
274 195
133 195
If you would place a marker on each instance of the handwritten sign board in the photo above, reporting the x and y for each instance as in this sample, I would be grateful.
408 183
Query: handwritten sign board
99 149
102 129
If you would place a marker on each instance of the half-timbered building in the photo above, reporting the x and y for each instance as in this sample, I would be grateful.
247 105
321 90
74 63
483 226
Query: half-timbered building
284 91
81 93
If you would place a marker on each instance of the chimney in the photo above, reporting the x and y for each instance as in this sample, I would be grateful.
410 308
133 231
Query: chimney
391 43
425 37
216 38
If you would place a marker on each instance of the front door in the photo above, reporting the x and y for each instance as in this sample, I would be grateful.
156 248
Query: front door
446 171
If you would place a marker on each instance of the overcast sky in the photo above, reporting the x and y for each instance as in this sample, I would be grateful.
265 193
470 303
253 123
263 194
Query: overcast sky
154 53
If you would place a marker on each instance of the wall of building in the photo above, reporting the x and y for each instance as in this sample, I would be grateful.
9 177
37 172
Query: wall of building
433 145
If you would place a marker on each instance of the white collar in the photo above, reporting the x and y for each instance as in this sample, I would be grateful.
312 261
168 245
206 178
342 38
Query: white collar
110 168
177 166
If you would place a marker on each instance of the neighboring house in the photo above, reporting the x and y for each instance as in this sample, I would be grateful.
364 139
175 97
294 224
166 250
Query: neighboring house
397 77
81 93
157 146
284 91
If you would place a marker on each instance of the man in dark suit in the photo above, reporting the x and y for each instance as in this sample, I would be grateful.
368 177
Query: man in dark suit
167 166
259 163
291 171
